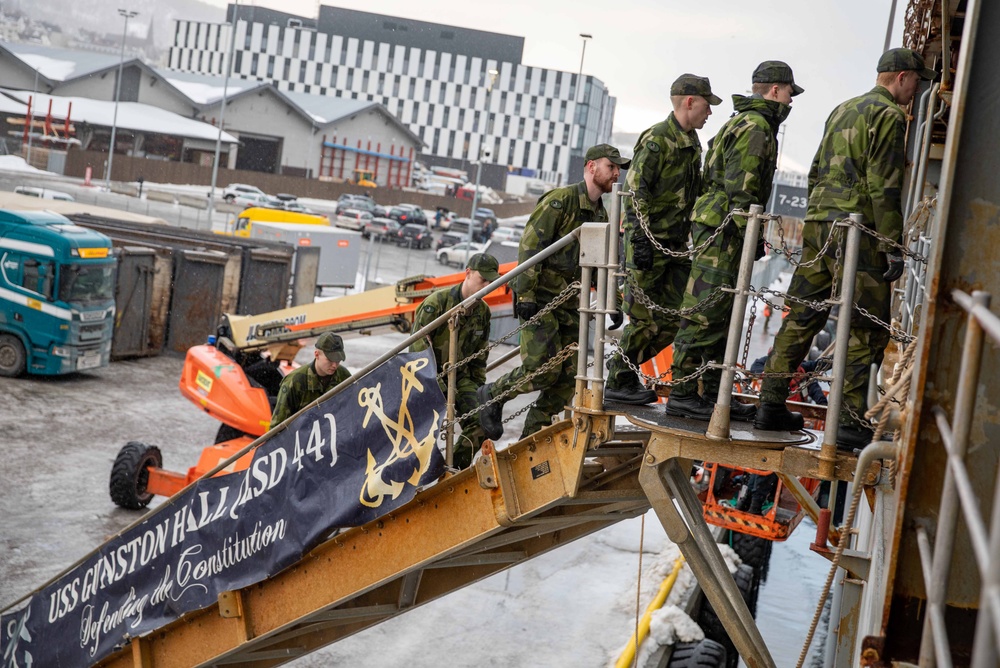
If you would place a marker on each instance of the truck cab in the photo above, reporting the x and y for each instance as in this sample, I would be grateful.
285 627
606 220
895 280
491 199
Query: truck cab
57 285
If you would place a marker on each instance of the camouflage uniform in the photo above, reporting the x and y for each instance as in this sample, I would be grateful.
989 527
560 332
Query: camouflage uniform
858 168
738 172
558 213
666 178
302 387
473 336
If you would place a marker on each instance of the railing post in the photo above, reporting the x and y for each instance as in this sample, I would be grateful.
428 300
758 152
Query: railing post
944 536
828 452
718 427
584 335
449 433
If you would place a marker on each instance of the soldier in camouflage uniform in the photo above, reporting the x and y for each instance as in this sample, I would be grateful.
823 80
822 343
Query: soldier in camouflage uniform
308 383
559 212
666 178
739 169
857 169
473 336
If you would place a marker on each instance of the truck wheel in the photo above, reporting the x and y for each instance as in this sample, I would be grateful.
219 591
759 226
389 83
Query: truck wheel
703 654
753 551
12 357
130 474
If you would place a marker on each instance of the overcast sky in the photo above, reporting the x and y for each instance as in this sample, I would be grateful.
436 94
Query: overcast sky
640 46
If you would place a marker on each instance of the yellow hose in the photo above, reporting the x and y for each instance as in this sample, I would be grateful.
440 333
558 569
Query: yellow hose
628 654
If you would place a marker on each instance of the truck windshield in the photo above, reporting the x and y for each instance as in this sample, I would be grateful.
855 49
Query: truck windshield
87 284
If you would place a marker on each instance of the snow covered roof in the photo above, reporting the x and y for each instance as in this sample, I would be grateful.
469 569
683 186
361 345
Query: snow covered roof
132 116
205 89
57 64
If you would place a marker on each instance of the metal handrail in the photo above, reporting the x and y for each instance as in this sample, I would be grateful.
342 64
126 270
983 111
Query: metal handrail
958 494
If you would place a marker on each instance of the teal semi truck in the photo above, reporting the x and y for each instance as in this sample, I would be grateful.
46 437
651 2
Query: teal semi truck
57 290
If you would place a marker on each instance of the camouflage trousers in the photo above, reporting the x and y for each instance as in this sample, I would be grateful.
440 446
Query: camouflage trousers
540 342
868 339
702 336
472 436
648 331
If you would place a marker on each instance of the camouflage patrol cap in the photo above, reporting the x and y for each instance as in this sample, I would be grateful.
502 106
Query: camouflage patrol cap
607 151
332 346
692 84
775 71
486 265
903 60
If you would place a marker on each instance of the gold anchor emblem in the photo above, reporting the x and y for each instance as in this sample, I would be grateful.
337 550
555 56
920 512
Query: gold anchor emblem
406 447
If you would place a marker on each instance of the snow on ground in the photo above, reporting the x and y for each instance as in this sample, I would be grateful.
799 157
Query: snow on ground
15 163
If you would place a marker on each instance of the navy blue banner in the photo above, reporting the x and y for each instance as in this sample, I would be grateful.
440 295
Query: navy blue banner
343 463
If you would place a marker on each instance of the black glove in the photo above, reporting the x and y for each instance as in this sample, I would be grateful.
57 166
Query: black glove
895 270
526 310
761 250
617 318
642 252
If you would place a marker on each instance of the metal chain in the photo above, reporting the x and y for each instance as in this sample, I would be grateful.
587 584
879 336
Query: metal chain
548 308
895 333
563 354
753 317
644 225
913 255
784 250
659 379
647 301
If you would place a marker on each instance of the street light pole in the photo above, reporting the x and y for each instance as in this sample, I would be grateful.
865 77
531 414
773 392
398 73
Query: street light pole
31 120
222 115
579 90
127 14
479 163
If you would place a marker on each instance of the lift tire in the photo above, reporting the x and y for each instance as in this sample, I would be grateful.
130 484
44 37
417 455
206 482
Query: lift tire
702 654
753 551
227 433
12 356
130 475
712 625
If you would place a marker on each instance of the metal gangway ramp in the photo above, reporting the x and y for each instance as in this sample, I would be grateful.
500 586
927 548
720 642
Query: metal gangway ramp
600 465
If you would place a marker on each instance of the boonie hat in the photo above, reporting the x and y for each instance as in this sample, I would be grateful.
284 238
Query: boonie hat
607 151
692 84
776 71
332 346
486 265
903 60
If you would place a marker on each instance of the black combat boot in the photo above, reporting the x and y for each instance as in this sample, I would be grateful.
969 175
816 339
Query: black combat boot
690 406
738 410
490 418
851 437
775 417
628 390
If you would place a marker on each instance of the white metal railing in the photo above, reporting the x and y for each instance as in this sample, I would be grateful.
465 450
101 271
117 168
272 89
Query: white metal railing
959 494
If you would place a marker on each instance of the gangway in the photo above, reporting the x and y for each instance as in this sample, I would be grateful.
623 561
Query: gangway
599 466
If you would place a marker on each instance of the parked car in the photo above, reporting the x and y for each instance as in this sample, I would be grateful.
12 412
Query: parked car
448 239
353 219
486 215
349 201
255 199
381 211
414 236
44 193
458 253
460 226
406 215
233 190
382 228
506 234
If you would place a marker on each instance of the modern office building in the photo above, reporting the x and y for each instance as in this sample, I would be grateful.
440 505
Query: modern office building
435 78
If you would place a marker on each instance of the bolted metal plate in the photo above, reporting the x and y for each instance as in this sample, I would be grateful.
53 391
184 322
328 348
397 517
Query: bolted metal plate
594 244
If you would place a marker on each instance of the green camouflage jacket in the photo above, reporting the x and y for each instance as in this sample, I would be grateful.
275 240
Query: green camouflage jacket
739 167
302 387
559 212
859 165
473 331
666 177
